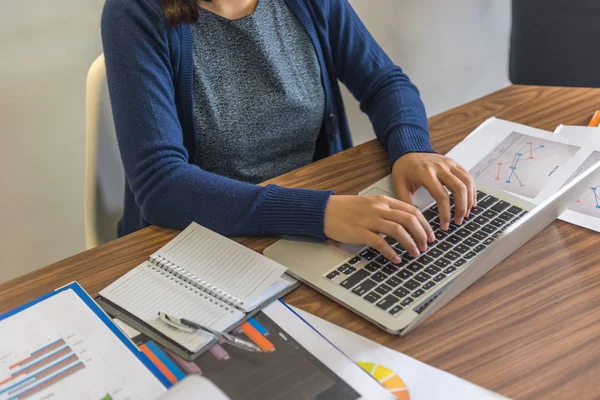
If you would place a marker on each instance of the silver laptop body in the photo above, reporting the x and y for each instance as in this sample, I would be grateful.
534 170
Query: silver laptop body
315 262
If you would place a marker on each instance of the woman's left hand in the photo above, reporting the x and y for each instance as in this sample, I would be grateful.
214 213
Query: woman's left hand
434 172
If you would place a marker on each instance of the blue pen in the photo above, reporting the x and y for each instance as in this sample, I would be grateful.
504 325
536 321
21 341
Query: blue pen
257 325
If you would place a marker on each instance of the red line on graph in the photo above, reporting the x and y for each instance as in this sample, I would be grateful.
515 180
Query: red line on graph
498 176
39 353
530 149
51 381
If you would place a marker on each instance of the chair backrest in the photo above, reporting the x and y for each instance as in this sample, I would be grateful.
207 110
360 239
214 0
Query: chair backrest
104 177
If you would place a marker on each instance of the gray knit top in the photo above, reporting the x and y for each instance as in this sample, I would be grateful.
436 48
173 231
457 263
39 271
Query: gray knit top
258 98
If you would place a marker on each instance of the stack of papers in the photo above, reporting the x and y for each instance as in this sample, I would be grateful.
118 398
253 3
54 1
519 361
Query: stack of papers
533 164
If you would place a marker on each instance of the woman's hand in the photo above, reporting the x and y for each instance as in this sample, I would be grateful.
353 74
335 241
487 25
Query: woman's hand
434 172
359 220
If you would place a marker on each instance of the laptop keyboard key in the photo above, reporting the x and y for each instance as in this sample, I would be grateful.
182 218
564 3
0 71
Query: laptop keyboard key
455 239
487 202
422 277
514 210
401 292
354 261
477 210
368 255
440 235
460 263
372 297
479 248
481 220
428 285
470 255
390 240
498 222
471 242
381 260
472 226
364 287
425 259
500 206
415 267
353 279
434 252
449 270
389 269
412 284
442 263
404 274
432 270
490 214
406 302
480 195
488 241
429 215
463 233
387 302
417 293
506 216
383 289
395 310
393 281
333 274
462 249
439 277
489 229
379 277
444 246
372 267
479 235
452 255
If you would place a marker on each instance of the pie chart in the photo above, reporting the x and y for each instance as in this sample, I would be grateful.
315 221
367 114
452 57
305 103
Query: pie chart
387 378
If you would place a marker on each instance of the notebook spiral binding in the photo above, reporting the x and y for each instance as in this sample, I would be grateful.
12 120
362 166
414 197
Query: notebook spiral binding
193 280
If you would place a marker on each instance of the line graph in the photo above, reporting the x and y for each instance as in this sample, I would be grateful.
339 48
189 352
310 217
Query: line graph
522 164
588 201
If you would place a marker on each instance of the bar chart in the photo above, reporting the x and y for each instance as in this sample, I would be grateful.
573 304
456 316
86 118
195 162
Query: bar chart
41 369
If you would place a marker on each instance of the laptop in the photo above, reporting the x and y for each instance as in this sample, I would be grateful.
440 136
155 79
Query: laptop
398 297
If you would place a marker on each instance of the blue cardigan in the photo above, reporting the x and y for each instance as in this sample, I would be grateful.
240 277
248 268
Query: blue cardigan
149 69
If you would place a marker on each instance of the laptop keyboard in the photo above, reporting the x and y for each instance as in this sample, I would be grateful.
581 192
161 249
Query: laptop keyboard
393 287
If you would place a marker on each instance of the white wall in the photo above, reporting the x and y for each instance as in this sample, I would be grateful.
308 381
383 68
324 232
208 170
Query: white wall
454 51
45 50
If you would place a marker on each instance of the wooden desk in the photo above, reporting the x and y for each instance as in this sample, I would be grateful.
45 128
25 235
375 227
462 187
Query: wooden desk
528 329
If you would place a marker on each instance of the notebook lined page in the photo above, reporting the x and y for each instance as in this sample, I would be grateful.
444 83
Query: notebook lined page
223 263
144 291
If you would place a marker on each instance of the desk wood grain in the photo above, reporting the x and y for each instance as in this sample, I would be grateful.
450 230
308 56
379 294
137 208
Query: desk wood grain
528 329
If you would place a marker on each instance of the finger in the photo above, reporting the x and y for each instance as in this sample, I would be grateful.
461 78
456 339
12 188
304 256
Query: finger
467 179
439 194
398 232
459 190
398 206
403 193
379 244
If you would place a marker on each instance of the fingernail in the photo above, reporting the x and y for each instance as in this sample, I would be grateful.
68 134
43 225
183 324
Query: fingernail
424 248
397 260
458 221
445 226
431 238
416 253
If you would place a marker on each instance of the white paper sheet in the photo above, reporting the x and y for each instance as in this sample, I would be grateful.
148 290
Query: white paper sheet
59 349
585 212
422 381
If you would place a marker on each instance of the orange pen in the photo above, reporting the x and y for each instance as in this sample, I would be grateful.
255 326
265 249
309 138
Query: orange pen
258 339
595 122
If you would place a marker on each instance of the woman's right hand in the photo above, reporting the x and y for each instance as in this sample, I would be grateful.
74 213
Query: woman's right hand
360 220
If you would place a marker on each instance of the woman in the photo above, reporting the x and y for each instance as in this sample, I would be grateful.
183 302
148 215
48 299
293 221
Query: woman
210 98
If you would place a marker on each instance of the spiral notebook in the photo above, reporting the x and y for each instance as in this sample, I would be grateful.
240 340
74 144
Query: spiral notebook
201 276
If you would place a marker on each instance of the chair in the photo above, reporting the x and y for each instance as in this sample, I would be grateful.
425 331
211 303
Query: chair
104 176
553 43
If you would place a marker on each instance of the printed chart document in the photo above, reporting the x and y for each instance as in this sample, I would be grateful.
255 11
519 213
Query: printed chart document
585 211
297 363
59 348
405 377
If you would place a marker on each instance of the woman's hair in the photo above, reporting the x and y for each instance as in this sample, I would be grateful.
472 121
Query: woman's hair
181 11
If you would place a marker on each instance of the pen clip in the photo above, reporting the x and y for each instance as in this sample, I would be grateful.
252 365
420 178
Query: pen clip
171 324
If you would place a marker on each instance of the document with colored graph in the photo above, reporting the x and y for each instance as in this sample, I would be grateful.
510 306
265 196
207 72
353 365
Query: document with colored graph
63 346
585 211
